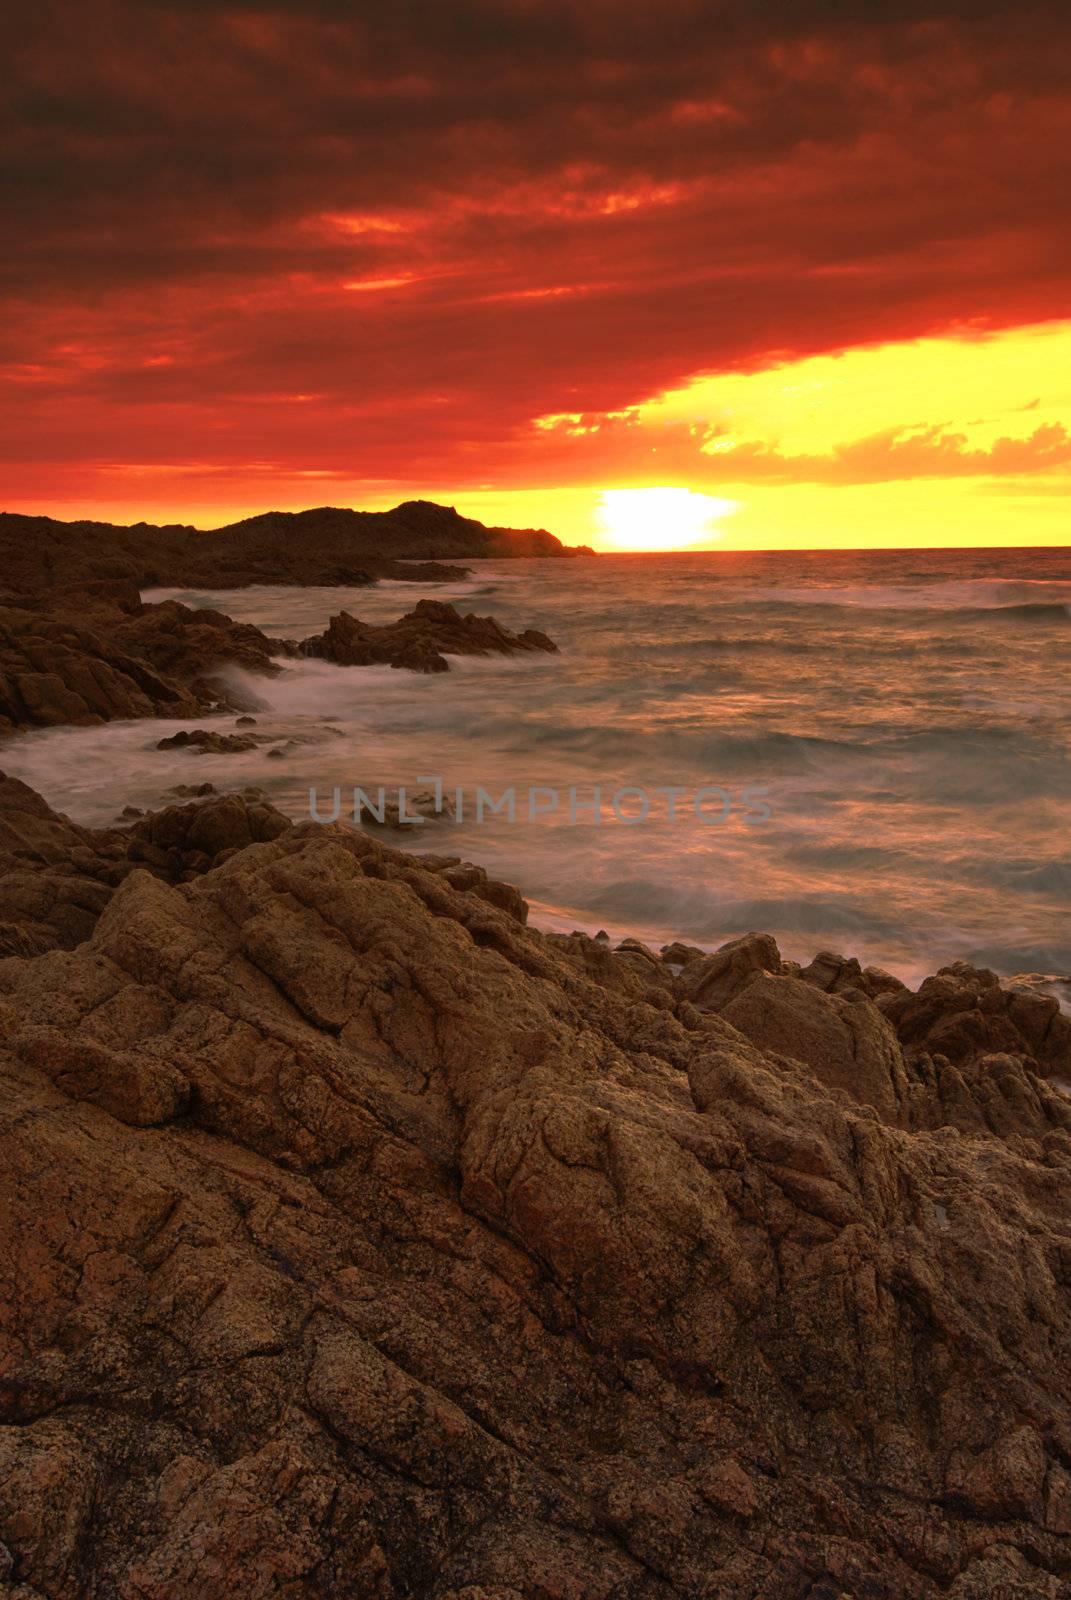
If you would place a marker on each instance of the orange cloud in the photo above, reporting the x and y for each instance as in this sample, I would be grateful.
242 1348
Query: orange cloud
376 246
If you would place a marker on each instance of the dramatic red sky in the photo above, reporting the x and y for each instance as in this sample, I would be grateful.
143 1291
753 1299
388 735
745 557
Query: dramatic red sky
807 266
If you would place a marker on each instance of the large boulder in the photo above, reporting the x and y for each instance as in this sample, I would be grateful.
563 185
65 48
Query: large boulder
845 1042
710 981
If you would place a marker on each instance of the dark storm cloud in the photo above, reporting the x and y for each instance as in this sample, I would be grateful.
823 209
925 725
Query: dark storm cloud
570 206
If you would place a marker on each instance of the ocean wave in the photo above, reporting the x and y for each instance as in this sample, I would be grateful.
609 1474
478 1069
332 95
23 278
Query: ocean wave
973 595
1030 611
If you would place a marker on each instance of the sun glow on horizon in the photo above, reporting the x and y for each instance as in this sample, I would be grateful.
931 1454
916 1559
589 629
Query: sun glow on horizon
659 518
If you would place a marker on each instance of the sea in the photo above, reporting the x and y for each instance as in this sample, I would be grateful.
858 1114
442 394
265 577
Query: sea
859 752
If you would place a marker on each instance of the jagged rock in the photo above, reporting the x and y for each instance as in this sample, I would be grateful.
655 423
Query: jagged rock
420 641
182 841
839 974
637 952
710 981
54 671
90 659
634 954
191 644
385 809
476 881
843 1039
679 955
133 1087
964 1011
56 878
357 1240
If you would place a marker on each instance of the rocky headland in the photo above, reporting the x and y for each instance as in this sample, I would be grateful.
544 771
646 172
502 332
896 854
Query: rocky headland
360 1240
41 557
79 645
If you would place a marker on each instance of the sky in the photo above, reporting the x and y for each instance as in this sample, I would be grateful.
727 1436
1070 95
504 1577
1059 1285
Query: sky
651 276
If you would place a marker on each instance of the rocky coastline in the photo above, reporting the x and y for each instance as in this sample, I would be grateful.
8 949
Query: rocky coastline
114 656
359 1239
41 557
78 644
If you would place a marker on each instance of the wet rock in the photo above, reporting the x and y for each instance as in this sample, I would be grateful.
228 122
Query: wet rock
88 659
55 671
387 809
419 641
191 644
202 741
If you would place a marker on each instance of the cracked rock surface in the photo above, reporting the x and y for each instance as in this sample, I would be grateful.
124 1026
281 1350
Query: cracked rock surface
359 1241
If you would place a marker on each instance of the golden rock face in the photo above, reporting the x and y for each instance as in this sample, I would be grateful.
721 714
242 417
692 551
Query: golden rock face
359 1240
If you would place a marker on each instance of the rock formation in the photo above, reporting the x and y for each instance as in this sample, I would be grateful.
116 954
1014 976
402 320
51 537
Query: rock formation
421 640
55 671
56 878
93 660
329 545
206 741
106 655
195 644
358 1240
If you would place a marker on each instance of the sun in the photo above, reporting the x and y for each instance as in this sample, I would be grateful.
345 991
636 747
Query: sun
659 519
